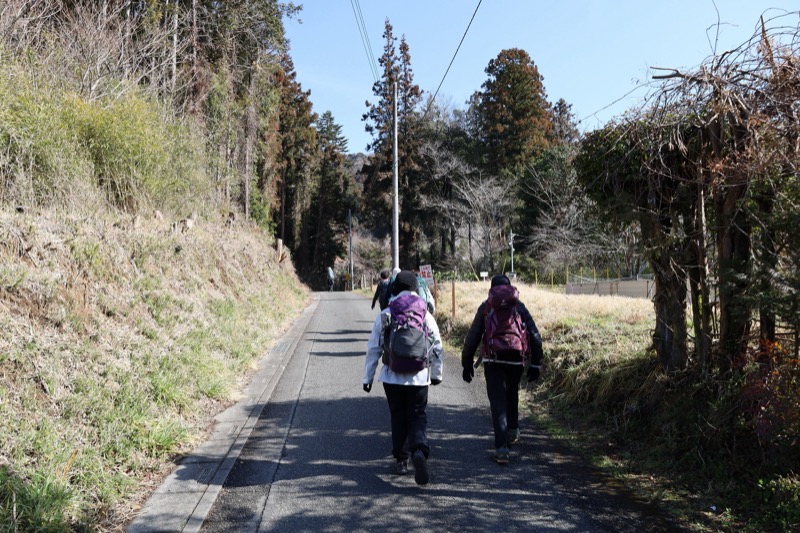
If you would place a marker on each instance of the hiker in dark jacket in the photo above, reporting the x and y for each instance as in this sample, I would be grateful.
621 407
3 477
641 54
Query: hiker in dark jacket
503 372
382 291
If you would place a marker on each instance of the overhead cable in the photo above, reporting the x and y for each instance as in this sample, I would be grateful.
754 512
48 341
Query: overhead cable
366 38
454 56
362 29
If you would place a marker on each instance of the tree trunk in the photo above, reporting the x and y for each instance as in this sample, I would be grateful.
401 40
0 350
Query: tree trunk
670 335
469 242
733 250
453 234
698 279
769 264
174 61
195 105
250 132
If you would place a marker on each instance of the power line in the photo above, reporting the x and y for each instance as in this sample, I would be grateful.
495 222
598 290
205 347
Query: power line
454 56
369 43
362 29
364 39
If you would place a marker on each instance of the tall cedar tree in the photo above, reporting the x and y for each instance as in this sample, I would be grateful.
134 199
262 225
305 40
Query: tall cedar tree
327 237
514 115
380 122
298 157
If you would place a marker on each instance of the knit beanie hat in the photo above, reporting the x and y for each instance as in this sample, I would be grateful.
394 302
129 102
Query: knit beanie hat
500 279
404 281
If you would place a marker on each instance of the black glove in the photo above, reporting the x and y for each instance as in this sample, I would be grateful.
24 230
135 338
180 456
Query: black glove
367 387
467 374
435 381
533 373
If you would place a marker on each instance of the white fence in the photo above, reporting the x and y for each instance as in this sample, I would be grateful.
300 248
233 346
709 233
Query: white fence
640 288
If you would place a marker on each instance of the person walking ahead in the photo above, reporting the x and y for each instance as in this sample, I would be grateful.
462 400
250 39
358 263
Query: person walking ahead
382 291
508 338
405 337
331 278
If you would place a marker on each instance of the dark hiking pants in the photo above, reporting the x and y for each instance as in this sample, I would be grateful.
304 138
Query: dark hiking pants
502 386
407 404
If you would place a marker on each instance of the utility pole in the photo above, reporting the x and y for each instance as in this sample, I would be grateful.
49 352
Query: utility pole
395 186
350 228
511 247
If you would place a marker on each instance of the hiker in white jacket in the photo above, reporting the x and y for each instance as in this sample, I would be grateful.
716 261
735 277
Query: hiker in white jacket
406 393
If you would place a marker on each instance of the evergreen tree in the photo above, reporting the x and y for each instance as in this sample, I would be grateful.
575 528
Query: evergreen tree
514 115
327 237
380 123
298 156
565 130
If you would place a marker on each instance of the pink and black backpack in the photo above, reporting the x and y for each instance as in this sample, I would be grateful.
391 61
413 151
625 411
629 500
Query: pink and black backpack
504 335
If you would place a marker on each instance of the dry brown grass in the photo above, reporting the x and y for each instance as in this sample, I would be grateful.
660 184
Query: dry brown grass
552 311
119 341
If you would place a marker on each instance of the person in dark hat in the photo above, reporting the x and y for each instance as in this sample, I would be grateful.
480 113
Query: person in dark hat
503 361
382 291
405 384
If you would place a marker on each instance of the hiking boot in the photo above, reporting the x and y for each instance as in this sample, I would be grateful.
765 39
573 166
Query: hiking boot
513 436
421 473
401 467
501 456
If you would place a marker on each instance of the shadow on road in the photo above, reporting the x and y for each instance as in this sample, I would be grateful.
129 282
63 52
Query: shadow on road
336 470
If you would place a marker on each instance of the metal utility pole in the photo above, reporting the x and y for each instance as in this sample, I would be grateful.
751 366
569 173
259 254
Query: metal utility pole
395 187
350 227
511 247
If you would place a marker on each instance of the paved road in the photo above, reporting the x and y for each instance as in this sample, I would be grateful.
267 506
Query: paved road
313 454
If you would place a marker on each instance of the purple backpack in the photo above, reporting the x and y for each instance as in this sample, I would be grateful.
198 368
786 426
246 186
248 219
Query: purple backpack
504 335
406 340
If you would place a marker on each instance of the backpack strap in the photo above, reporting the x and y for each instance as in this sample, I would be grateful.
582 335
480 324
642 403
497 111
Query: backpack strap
485 353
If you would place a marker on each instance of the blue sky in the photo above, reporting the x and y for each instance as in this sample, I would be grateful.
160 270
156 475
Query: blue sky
594 54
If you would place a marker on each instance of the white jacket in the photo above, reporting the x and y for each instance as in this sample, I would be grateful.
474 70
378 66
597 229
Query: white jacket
375 346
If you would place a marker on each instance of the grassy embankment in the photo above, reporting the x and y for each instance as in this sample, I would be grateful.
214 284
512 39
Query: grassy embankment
668 438
120 339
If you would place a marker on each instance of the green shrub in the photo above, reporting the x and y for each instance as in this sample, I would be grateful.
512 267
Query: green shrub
40 162
127 144
781 503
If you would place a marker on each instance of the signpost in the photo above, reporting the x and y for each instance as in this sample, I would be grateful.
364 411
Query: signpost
426 282
426 272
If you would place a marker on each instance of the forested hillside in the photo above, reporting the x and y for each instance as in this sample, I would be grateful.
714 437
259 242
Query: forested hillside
155 156
180 107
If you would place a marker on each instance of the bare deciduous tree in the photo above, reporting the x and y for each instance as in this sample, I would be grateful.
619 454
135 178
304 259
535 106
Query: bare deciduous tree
723 139
487 203
565 232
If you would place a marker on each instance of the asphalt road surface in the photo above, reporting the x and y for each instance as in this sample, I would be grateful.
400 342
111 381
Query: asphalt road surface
319 458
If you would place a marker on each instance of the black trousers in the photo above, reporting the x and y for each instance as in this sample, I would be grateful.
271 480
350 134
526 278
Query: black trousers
407 406
502 386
